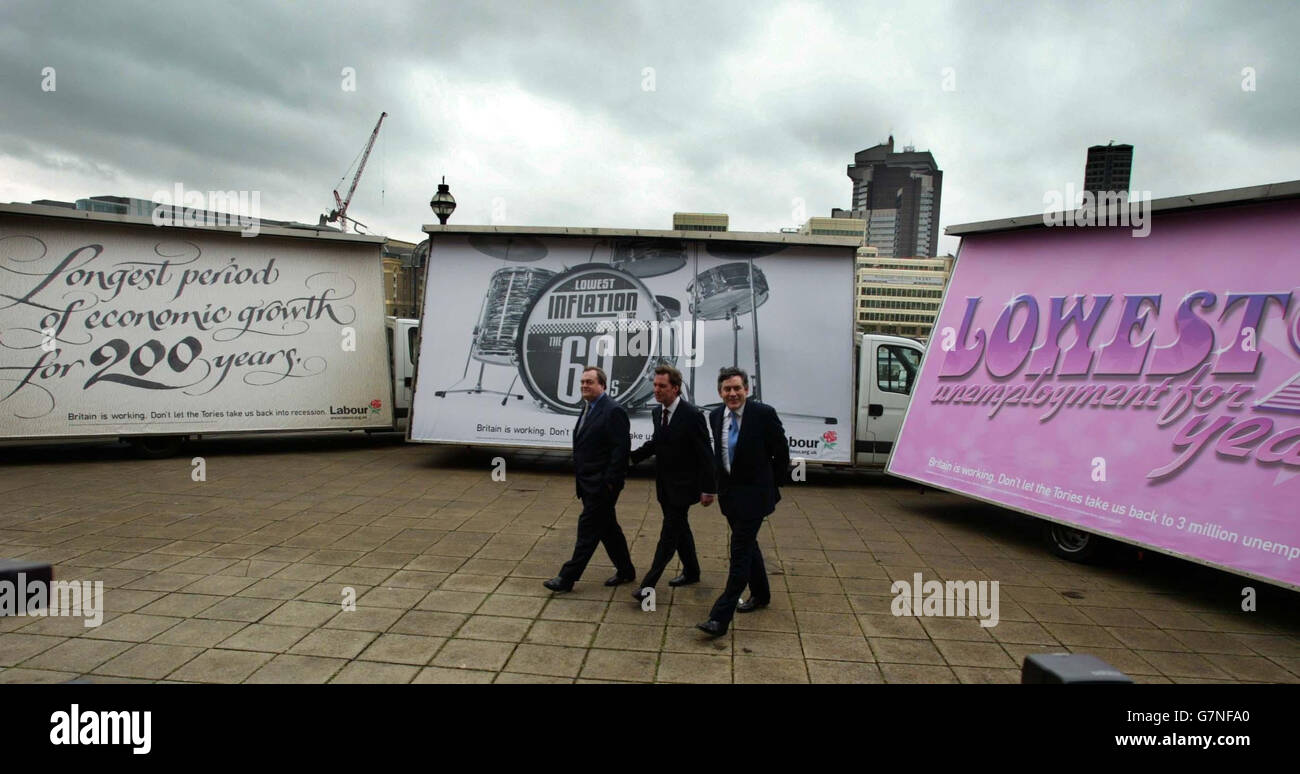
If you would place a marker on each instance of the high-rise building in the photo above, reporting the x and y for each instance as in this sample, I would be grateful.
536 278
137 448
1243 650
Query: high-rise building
1109 168
897 194
699 221
900 296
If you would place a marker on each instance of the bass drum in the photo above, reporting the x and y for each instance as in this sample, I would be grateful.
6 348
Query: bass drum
592 315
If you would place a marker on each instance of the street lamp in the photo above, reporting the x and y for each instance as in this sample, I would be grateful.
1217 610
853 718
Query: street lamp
443 203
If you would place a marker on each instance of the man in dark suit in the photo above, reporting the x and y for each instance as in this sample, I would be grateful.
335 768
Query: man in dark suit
601 443
752 459
683 477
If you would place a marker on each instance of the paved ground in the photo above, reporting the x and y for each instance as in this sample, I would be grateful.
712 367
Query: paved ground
240 578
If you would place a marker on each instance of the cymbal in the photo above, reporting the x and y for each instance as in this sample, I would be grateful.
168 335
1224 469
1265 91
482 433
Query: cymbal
741 249
520 249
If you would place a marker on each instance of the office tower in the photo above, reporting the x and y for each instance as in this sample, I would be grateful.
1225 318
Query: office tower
1108 169
898 195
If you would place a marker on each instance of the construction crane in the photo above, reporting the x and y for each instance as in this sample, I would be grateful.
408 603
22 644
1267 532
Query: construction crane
340 214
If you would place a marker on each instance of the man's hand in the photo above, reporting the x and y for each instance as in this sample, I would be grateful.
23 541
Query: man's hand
706 500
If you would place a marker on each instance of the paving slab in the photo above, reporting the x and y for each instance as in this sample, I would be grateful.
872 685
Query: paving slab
368 560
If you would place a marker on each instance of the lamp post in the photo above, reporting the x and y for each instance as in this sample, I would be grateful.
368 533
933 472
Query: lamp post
443 203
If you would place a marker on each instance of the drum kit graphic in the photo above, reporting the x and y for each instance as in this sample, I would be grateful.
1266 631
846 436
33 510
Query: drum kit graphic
545 325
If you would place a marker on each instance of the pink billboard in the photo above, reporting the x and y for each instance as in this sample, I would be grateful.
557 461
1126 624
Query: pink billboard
1145 388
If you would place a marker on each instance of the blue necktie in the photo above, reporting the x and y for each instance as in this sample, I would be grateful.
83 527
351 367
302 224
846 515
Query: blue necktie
733 434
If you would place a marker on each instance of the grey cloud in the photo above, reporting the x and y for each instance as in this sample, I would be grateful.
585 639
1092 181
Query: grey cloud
247 96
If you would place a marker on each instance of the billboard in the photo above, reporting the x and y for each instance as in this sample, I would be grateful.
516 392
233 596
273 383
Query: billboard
511 319
117 328
1143 388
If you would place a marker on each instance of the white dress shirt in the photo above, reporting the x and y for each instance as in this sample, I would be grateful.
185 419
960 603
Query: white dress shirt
726 430
669 409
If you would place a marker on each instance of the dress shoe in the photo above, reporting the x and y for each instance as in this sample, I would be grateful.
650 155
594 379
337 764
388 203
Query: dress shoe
750 605
712 628
684 580
619 580
640 594
558 584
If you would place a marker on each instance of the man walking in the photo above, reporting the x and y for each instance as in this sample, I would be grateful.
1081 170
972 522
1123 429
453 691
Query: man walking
683 477
601 441
752 460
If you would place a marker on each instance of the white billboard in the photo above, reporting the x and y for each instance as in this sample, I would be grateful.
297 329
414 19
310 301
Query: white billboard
110 327
510 320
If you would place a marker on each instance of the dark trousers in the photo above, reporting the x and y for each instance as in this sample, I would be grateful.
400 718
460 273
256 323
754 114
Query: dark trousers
746 569
674 537
598 525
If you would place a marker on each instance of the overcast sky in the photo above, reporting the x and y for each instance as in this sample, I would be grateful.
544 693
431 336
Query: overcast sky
545 114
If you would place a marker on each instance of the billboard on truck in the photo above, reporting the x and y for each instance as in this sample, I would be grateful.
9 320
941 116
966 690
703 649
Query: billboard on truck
511 317
114 326
1141 387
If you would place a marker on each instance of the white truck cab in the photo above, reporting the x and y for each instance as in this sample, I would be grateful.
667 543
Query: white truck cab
887 370
403 339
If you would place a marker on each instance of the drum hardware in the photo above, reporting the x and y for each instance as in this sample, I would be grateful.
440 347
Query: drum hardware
727 291
493 341
749 251
670 305
694 305
758 365
591 256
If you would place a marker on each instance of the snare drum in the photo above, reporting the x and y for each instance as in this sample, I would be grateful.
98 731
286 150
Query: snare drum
725 290
509 293
648 257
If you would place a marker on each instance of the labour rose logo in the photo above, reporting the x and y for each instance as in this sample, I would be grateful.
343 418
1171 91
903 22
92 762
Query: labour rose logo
830 438
375 405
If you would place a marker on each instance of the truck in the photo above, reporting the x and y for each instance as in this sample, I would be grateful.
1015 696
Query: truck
115 327
1125 372
521 311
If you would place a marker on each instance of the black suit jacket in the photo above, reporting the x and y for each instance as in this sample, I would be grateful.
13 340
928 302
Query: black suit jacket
684 467
601 448
761 464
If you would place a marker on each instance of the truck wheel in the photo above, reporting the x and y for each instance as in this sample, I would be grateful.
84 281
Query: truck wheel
157 447
1073 544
